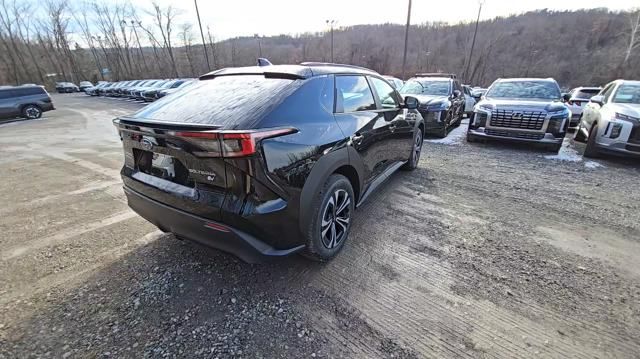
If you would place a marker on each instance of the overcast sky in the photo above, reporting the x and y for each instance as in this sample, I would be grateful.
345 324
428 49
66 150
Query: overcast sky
230 18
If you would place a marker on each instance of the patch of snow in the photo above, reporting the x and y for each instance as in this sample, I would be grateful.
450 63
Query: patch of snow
566 153
593 164
569 154
455 137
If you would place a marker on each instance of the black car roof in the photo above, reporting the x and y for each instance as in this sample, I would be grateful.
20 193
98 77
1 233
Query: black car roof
302 71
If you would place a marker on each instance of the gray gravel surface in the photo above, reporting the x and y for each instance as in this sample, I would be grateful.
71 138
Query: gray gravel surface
486 250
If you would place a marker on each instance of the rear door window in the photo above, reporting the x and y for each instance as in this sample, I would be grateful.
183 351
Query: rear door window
353 94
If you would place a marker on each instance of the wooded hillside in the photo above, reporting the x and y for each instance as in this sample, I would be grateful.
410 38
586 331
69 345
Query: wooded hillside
576 48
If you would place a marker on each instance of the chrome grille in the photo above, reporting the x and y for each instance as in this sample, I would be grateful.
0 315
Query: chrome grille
515 134
529 120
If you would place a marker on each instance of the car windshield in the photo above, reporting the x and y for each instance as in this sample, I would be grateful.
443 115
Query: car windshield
525 89
628 93
435 88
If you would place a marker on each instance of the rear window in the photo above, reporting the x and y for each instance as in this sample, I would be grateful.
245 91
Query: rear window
585 93
225 101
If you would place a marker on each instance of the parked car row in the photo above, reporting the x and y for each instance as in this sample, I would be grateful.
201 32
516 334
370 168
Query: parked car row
141 90
534 111
264 162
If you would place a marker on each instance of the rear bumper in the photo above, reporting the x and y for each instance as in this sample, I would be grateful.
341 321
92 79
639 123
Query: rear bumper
204 231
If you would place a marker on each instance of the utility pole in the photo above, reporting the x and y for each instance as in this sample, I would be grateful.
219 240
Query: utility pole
204 44
331 23
144 61
406 41
473 42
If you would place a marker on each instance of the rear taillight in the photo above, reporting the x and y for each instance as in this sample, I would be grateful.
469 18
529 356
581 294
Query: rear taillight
229 143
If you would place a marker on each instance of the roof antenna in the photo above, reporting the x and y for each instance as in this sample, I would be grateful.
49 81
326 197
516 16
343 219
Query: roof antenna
263 62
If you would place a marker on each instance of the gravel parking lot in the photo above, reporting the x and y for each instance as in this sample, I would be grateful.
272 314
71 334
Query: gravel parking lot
486 250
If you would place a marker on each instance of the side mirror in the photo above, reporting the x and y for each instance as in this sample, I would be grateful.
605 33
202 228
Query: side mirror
456 93
599 99
411 103
566 97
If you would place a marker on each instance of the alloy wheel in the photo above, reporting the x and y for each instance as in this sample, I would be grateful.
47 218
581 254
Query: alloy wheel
32 112
417 148
335 219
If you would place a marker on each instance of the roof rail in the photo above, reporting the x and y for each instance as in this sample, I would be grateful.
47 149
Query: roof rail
437 74
333 64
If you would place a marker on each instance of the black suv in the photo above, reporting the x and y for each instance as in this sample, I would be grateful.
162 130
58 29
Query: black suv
268 161
25 101
441 101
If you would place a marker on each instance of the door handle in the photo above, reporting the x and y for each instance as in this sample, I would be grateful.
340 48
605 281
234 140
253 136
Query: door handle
357 139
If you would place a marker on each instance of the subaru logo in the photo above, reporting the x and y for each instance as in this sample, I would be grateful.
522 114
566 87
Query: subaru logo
146 144
516 116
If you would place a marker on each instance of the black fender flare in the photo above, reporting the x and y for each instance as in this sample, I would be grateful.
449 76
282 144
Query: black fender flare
319 174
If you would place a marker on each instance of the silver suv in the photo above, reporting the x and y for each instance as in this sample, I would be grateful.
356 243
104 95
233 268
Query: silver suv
25 101
523 110
611 120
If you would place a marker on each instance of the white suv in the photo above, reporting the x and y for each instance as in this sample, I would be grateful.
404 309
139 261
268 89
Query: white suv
611 120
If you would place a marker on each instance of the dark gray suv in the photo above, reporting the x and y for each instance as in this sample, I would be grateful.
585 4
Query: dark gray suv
28 101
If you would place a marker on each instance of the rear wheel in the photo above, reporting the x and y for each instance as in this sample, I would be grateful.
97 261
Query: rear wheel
414 159
578 135
332 209
32 112
592 148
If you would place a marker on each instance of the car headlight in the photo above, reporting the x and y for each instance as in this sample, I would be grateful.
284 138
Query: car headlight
443 106
486 107
559 112
621 116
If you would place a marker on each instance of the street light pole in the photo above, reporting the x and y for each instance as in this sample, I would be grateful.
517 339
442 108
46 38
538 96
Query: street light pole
406 41
331 23
473 42
204 44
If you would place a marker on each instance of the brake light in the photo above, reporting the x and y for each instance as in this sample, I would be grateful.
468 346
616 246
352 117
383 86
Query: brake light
229 143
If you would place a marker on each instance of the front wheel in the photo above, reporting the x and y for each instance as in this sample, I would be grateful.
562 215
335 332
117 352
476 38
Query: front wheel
32 112
416 149
578 135
332 209
592 148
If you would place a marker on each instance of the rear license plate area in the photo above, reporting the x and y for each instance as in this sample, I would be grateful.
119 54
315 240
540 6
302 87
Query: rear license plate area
162 166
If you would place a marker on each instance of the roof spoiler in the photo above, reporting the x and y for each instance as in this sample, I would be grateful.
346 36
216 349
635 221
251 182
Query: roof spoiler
264 62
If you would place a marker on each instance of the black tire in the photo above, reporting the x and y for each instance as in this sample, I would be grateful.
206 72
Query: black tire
332 210
414 158
578 135
555 148
460 117
444 131
32 112
471 138
592 148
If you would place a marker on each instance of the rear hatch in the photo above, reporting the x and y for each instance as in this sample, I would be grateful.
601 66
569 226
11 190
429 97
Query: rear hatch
191 151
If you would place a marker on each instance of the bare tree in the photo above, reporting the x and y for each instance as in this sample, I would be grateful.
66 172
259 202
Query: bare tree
634 36
164 18
187 39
